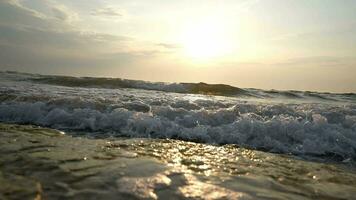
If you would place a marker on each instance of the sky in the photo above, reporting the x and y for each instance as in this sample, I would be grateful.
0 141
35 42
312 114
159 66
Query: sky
266 44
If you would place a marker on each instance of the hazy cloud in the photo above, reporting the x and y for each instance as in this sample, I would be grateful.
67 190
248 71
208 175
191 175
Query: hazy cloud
14 14
108 12
29 38
168 45
64 14
321 61
248 4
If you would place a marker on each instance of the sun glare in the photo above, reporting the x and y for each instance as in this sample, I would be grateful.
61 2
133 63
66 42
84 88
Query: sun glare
205 40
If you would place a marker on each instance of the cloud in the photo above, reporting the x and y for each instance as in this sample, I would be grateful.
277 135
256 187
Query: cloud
299 62
54 39
168 45
27 28
108 11
14 14
248 4
320 61
39 41
64 14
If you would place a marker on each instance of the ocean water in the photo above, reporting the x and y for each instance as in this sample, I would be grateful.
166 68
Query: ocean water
305 140
38 163
288 122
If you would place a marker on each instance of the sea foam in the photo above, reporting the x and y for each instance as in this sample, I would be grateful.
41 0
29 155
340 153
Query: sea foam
308 128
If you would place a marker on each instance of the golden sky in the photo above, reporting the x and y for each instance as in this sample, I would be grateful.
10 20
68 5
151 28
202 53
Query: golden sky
268 44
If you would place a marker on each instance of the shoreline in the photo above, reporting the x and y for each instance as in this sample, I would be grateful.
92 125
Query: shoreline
45 163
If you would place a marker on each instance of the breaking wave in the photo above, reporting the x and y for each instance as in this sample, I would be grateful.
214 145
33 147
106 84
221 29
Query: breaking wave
319 129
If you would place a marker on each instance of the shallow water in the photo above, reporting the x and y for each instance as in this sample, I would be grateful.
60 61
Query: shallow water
43 163
135 140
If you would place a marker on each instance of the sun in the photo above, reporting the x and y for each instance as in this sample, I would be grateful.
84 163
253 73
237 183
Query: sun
205 40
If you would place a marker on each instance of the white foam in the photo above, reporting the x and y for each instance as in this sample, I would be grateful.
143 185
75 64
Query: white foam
299 128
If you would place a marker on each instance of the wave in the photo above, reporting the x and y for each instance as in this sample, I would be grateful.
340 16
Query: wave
322 131
112 83
321 128
276 128
185 88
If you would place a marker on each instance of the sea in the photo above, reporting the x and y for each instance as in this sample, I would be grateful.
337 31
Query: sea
65 137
